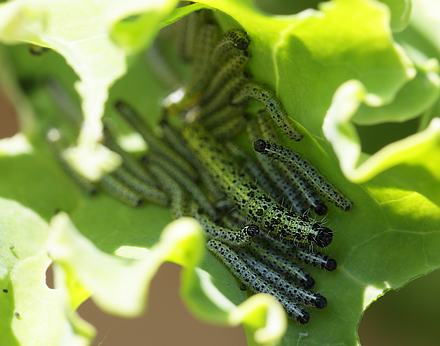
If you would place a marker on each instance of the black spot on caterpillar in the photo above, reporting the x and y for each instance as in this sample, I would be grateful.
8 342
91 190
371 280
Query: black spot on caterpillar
303 167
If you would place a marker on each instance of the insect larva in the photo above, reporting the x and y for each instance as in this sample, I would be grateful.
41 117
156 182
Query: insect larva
54 138
313 258
175 140
254 169
230 68
230 128
280 263
301 295
187 33
64 102
261 93
36 50
238 238
173 190
249 198
182 179
266 125
299 185
206 38
223 115
303 167
255 284
149 193
138 124
222 98
113 186
129 162
287 191
230 42
162 69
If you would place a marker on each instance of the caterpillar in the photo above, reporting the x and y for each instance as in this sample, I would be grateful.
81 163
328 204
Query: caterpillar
261 93
305 170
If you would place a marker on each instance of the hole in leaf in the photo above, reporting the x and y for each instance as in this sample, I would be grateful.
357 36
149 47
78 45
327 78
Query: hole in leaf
286 7
166 322
406 317
49 277
375 137
8 119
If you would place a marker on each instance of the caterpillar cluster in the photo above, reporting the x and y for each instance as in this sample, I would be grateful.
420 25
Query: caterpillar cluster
255 209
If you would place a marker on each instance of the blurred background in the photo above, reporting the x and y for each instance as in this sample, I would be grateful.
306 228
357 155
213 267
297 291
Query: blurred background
407 317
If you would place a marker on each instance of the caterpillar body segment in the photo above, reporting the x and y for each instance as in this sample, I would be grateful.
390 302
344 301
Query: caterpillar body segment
231 67
223 115
222 98
138 124
249 198
146 192
302 167
115 187
175 193
310 257
54 138
129 162
234 238
292 197
205 43
254 169
303 296
253 281
232 41
261 93
280 263
181 178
